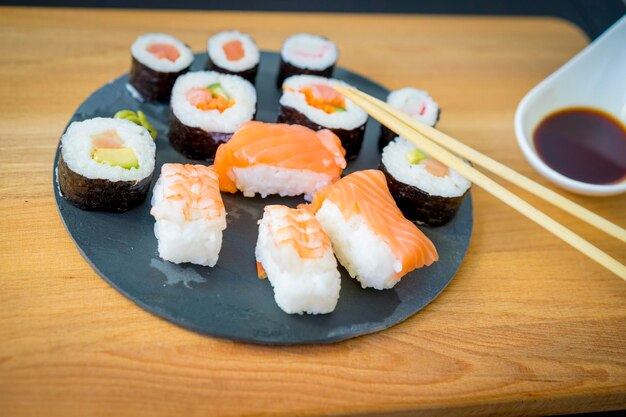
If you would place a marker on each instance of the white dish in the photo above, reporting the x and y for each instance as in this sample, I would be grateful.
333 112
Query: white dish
595 77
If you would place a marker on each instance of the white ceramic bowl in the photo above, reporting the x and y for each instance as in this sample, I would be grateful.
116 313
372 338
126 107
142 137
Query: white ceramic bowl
596 77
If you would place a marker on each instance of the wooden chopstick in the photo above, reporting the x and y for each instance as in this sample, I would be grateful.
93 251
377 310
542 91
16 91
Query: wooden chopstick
405 130
503 171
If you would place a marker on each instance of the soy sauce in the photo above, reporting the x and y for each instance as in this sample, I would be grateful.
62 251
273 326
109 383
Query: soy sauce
583 144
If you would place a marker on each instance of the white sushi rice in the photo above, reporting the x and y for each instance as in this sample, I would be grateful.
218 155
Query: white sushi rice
196 240
265 180
364 254
350 119
139 50
301 285
229 120
416 103
218 56
396 163
77 147
314 52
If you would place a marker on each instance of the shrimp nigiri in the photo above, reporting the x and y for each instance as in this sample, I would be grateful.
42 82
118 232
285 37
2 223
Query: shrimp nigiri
295 254
189 213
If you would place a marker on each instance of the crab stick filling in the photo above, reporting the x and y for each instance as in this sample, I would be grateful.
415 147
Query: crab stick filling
213 97
323 97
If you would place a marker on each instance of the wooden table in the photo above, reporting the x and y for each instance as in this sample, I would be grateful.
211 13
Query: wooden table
528 326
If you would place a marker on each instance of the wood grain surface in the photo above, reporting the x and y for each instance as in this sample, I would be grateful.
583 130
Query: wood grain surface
528 327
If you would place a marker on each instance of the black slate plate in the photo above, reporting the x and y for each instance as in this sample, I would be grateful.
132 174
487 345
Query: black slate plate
228 300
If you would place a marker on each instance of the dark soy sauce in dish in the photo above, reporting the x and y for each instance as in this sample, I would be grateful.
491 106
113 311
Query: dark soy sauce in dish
584 144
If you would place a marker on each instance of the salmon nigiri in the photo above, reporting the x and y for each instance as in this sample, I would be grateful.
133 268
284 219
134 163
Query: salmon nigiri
369 234
272 158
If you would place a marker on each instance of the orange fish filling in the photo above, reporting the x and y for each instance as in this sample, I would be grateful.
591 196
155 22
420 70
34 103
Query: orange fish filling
324 98
233 50
205 99
164 51
435 167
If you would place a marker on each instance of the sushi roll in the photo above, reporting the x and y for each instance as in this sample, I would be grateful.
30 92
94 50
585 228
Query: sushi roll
207 108
417 104
312 102
105 164
189 213
157 61
424 189
304 53
370 236
295 254
233 52
268 158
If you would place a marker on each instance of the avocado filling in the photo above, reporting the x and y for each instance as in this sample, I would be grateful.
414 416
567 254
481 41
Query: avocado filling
415 156
120 157
433 166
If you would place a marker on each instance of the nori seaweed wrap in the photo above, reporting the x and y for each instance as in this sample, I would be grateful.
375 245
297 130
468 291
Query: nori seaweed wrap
193 142
286 70
157 61
419 206
425 190
304 53
233 52
105 164
207 107
311 101
249 74
417 103
351 139
101 194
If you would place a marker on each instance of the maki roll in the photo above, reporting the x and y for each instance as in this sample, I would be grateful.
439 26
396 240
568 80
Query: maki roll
425 190
295 254
268 158
105 164
370 236
189 213
233 52
207 107
304 53
417 104
311 101
157 61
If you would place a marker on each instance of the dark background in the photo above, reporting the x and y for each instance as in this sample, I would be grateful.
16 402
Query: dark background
592 16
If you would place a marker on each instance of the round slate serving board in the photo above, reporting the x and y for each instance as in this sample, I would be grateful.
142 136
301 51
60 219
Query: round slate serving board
229 300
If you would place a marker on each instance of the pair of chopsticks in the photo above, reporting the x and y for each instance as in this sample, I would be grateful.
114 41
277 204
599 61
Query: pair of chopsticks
438 145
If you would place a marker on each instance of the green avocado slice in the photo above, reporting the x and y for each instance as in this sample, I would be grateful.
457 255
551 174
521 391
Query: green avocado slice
219 90
415 156
120 157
